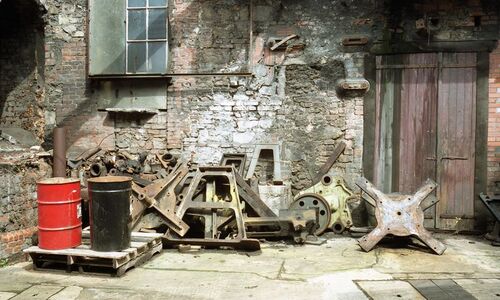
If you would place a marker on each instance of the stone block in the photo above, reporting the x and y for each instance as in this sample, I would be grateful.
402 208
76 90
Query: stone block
243 137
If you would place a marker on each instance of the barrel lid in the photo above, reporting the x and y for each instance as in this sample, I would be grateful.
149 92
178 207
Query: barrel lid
109 179
58 180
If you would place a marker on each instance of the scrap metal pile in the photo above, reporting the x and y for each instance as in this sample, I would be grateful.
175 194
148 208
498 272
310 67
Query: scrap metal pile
214 206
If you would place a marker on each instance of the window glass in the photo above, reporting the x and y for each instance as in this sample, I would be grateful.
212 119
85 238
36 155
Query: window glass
157 24
137 57
137 24
157 3
136 3
157 52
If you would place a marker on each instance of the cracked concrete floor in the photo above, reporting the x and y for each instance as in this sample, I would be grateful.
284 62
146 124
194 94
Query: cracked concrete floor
337 269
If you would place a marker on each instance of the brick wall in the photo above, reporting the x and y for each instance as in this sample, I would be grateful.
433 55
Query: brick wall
291 100
494 122
18 205
21 87
68 90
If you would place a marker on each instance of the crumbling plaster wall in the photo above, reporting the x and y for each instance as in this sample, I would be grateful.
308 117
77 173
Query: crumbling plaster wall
291 100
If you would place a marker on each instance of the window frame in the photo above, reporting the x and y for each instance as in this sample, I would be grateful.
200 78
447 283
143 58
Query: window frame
147 41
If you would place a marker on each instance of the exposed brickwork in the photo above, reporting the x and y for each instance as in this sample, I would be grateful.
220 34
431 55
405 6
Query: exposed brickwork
11 243
18 204
68 90
21 86
494 122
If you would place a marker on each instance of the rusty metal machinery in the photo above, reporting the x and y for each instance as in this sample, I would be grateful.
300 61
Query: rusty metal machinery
213 209
159 197
236 160
492 202
399 215
333 191
208 206
317 202
295 223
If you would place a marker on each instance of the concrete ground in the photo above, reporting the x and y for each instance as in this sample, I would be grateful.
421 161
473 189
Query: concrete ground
337 269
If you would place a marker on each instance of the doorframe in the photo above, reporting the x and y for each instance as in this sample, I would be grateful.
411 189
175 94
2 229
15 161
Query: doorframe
481 149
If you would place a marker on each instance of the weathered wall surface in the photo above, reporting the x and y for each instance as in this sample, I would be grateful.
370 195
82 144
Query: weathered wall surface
494 123
21 67
18 205
68 90
291 100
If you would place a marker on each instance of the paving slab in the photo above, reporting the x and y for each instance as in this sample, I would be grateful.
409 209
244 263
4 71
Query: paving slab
120 294
6 295
337 255
13 285
389 289
481 288
36 292
267 264
280 271
68 293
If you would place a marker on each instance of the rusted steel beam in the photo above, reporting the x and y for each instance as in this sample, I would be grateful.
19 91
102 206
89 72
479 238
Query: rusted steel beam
252 198
329 163
163 205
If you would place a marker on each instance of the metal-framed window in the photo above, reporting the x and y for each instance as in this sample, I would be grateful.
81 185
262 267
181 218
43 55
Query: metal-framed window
146 36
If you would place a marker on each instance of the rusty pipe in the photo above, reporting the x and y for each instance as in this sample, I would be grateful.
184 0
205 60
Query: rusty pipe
98 169
59 155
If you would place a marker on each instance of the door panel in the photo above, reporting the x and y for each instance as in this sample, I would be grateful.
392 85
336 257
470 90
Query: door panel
456 140
425 125
417 134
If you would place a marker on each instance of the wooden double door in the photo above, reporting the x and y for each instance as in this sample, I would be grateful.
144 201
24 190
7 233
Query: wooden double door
425 128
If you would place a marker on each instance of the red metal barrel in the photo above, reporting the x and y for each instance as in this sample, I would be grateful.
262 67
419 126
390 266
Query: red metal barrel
59 213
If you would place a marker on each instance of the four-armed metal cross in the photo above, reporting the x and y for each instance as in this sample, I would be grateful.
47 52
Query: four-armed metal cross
399 215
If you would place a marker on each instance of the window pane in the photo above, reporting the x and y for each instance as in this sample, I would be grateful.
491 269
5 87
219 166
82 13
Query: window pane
137 24
157 3
136 3
157 54
136 57
157 24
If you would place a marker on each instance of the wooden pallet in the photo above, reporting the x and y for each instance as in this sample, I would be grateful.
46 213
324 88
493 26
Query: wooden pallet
142 247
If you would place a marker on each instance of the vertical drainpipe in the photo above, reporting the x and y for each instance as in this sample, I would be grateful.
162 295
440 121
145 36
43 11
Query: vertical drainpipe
59 155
